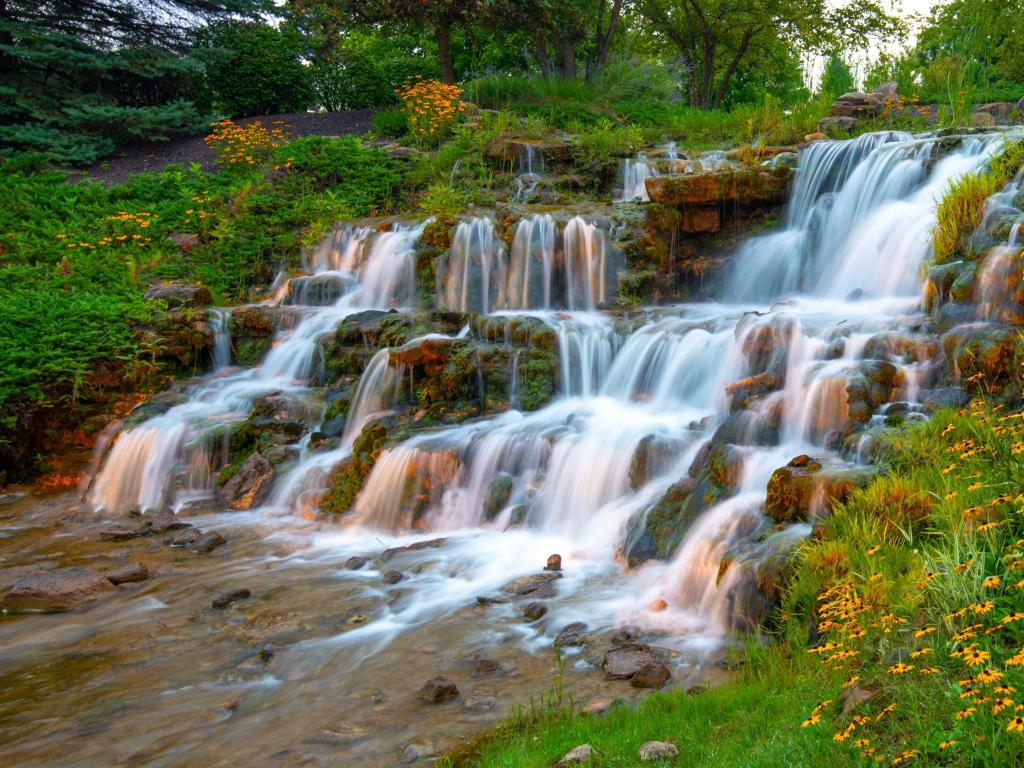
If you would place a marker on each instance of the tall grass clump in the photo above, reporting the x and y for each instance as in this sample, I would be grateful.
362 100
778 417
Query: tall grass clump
963 205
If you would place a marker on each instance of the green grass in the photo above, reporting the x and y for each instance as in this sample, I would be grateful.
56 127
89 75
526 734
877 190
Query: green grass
893 577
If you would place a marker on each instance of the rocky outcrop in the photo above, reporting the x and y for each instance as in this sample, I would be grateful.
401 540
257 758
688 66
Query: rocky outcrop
806 489
250 485
179 294
66 589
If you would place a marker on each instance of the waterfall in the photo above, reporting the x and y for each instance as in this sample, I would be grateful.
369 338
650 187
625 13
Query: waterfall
145 462
221 322
817 330
635 172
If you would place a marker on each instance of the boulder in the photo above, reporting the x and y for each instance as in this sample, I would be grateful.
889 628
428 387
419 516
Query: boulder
438 690
356 562
250 485
208 542
179 294
836 126
624 661
128 574
571 635
657 750
655 533
743 186
526 585
652 675
534 610
804 489
392 577
66 589
743 393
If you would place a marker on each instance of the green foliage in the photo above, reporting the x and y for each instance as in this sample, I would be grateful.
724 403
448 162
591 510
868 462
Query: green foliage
390 123
837 78
255 69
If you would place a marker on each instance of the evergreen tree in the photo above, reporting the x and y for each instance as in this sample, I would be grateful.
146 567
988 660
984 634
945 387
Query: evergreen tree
837 78
78 77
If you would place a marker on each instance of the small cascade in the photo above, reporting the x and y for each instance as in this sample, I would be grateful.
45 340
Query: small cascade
475 271
545 269
529 172
1001 280
635 172
220 319
531 268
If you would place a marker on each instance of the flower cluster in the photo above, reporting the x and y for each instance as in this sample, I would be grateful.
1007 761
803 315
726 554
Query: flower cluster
245 146
971 652
431 108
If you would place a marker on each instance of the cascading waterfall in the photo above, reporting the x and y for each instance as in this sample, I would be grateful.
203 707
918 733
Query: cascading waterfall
635 172
221 322
818 328
147 461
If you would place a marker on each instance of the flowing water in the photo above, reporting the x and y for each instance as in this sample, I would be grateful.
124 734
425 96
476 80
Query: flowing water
827 306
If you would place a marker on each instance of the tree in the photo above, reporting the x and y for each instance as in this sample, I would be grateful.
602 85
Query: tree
716 36
837 78
79 76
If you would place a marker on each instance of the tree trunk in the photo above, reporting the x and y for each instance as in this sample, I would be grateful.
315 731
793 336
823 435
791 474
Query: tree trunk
604 42
567 67
444 51
540 45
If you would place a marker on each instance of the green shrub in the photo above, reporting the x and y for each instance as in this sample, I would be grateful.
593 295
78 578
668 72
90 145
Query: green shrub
255 69
391 123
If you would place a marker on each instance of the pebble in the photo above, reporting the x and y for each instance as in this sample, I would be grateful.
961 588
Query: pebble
554 563
581 754
438 690
659 605
392 577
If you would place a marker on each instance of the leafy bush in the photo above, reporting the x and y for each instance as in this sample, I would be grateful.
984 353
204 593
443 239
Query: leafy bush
255 69
391 123
350 79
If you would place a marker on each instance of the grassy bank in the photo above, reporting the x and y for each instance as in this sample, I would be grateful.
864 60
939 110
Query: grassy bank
902 634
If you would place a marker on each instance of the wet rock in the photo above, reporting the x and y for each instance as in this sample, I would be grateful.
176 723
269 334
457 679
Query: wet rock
554 563
183 537
657 750
208 542
124 532
626 660
653 455
66 589
340 735
227 598
534 610
417 752
418 546
498 495
571 635
653 675
943 397
657 531
804 489
179 294
743 393
128 574
658 605
581 754
625 635
267 652
485 667
250 485
392 577
526 585
492 600
741 186
164 521
990 355
356 563
438 690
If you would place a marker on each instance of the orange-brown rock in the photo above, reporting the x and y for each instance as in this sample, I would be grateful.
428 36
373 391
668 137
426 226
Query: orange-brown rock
744 186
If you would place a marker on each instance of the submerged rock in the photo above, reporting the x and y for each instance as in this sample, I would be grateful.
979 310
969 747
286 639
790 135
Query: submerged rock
226 599
66 589
208 542
438 690
626 660
127 574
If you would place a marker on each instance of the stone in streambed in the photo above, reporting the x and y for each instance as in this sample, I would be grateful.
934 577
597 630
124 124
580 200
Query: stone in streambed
626 660
123 532
657 750
526 585
226 599
183 537
356 563
66 589
554 563
571 635
127 574
483 667
438 690
392 577
208 542
651 675
534 610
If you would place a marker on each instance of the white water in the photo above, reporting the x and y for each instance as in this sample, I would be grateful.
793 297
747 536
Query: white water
635 172
806 305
